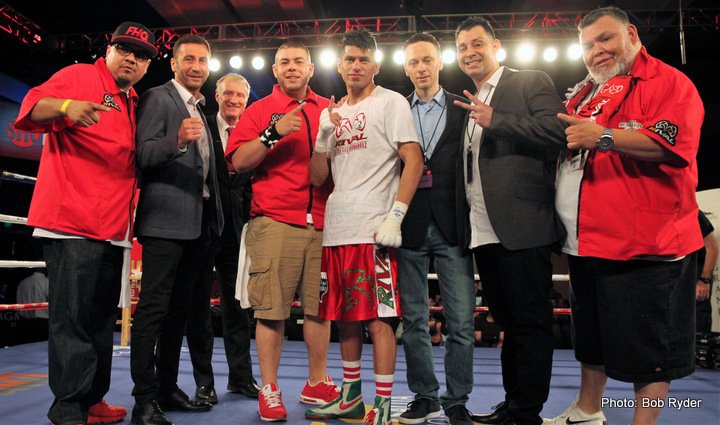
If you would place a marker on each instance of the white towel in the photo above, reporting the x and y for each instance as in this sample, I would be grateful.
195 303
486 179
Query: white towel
125 280
243 273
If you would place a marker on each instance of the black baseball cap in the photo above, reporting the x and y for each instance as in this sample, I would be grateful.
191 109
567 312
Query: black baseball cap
136 35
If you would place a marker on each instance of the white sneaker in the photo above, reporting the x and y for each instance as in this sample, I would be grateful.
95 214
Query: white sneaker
574 415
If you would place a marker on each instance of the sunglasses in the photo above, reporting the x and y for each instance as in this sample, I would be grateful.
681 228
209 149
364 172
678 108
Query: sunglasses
125 51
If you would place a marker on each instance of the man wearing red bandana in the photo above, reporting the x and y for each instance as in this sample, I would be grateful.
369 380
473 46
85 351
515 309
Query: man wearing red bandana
626 195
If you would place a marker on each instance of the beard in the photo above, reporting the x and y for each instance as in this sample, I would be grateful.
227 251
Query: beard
622 66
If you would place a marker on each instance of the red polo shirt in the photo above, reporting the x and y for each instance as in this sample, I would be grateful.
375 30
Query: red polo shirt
86 179
281 184
631 208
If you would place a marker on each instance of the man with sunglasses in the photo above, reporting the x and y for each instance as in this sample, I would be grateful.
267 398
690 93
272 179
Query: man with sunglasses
81 208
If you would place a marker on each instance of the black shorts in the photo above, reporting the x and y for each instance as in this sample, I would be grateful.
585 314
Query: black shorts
637 318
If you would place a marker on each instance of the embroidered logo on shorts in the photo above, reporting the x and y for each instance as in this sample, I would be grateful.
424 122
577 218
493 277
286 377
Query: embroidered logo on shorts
109 101
323 285
666 130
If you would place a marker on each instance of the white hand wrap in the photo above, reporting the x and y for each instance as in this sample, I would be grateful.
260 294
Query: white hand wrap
324 132
389 234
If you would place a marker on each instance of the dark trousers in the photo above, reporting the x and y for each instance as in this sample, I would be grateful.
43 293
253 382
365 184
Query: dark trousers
84 290
517 285
170 269
235 320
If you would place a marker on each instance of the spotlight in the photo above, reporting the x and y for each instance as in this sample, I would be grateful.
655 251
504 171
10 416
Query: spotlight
236 62
399 57
448 56
328 58
214 65
378 56
550 54
525 52
501 55
258 62
574 52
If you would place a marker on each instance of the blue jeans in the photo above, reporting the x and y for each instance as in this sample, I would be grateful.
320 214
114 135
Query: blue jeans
457 288
84 290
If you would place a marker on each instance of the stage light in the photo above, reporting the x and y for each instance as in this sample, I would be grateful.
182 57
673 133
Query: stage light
236 62
258 62
214 65
550 54
378 56
448 56
399 57
574 52
501 55
525 52
328 58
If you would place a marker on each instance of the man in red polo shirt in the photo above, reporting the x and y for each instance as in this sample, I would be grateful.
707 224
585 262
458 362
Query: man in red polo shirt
81 209
275 138
626 195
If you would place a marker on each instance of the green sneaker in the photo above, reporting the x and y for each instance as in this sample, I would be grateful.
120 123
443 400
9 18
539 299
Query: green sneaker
380 414
348 406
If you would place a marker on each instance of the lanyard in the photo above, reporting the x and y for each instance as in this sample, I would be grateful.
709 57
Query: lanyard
469 156
422 133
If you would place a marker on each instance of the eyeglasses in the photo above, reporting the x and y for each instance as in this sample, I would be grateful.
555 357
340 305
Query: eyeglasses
125 51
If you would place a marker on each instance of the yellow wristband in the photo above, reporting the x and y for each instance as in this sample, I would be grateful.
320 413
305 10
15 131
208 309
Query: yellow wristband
63 108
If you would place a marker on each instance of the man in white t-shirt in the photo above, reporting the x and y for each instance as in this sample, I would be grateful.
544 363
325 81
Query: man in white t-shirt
365 139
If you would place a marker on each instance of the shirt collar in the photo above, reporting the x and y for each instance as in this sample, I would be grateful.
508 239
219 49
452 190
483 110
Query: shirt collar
186 96
439 98
223 125
645 66
495 78
310 96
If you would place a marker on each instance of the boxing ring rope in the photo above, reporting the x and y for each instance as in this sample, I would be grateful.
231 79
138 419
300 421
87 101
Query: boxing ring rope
136 276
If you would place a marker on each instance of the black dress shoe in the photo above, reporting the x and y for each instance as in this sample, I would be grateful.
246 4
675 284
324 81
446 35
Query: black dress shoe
500 415
248 388
178 400
206 394
149 414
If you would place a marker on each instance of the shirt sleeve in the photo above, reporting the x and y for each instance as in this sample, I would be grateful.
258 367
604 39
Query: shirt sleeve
705 226
62 85
674 114
399 124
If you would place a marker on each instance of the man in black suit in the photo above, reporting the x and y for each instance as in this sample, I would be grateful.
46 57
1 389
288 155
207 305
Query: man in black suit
231 94
178 216
512 141
430 231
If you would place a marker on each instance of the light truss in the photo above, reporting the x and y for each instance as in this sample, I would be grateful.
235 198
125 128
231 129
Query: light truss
396 29
19 27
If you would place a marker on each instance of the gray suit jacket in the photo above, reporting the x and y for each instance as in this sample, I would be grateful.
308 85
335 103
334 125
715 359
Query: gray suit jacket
171 182
517 158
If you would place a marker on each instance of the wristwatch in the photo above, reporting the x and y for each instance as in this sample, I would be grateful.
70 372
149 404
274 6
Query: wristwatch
606 141
707 280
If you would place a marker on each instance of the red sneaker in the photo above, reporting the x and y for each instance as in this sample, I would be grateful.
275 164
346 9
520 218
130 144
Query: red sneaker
103 413
321 393
270 404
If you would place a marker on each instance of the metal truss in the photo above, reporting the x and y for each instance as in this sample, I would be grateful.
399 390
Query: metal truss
19 27
396 29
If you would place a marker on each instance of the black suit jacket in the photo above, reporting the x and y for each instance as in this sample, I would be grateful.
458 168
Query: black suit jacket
517 160
171 202
234 188
438 202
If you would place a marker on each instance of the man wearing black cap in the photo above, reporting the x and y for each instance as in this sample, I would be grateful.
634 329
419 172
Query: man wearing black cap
81 209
